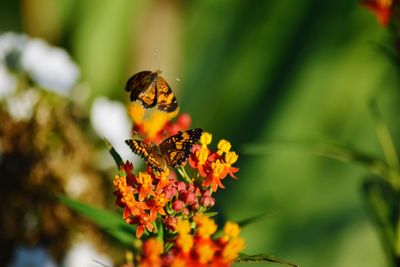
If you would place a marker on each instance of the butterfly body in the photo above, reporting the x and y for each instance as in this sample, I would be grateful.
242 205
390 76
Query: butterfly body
173 151
151 89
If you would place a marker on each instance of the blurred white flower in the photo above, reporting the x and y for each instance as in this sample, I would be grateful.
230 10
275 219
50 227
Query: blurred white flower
32 257
84 254
110 120
21 106
50 67
8 82
11 41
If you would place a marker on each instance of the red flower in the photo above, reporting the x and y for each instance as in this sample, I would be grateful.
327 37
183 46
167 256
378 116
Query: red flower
381 8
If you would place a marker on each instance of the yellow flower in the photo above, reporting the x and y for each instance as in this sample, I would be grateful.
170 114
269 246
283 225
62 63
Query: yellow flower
205 139
136 112
232 249
205 226
217 167
202 155
185 242
223 146
231 230
231 157
183 227
205 252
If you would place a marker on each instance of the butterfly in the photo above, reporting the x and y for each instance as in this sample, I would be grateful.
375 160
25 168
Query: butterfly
173 151
151 89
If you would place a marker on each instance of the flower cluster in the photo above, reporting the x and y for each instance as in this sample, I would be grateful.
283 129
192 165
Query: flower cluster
383 9
213 166
176 199
146 195
198 247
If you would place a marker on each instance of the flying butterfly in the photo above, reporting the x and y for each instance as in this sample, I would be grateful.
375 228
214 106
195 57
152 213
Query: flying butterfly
173 151
151 89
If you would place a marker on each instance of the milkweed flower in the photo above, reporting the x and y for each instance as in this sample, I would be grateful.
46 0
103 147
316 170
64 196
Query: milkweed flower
178 202
196 246
213 166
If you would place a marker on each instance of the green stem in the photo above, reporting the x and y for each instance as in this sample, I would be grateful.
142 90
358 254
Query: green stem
384 137
184 174
397 239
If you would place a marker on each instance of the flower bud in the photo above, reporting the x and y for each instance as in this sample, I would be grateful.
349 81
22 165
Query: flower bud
170 191
207 201
181 186
170 223
178 205
191 188
190 198
195 206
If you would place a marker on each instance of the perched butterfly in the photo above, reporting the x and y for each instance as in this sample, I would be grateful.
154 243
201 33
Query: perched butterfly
173 151
151 89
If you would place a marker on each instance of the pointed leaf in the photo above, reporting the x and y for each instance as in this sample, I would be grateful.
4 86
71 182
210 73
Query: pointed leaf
253 219
262 257
111 222
383 204
117 158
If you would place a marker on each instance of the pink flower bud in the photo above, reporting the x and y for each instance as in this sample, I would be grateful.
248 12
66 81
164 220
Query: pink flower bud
182 195
178 205
190 198
207 201
170 191
195 206
181 186
186 211
191 188
170 223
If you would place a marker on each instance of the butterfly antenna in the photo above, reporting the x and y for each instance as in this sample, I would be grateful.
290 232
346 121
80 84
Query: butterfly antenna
155 54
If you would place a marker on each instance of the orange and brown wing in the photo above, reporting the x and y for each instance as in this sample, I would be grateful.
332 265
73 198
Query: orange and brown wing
148 153
165 97
177 148
142 87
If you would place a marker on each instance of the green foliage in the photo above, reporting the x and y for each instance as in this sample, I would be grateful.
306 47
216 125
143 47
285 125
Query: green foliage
111 222
262 258
384 206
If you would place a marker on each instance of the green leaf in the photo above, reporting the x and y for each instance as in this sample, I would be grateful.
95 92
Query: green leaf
160 230
111 222
383 203
117 158
262 257
254 219
384 135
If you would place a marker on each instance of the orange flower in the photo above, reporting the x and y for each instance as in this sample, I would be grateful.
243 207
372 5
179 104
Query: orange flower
143 221
145 181
213 166
152 249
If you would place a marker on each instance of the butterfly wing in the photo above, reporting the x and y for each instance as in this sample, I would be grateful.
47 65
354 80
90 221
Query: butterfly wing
177 148
148 153
142 87
165 97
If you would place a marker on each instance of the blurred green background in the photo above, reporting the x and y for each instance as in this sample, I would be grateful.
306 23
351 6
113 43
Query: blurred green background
253 72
